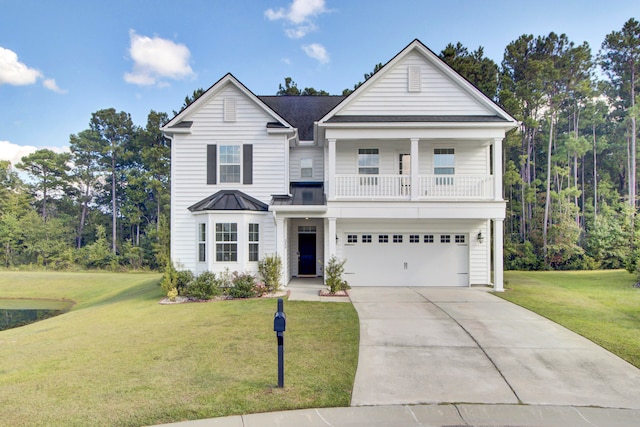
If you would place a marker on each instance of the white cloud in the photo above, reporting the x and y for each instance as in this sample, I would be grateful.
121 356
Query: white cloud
52 85
317 52
156 59
14 72
299 15
14 152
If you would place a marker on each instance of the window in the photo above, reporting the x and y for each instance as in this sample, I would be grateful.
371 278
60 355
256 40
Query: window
383 238
352 238
428 238
230 163
444 164
254 242
414 238
366 238
368 164
445 238
202 242
460 238
397 238
226 242
306 168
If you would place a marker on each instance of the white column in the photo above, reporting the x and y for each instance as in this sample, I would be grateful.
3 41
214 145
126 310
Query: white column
331 170
498 236
415 182
281 249
497 169
332 237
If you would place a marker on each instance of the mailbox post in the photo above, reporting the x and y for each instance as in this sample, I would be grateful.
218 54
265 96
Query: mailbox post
279 326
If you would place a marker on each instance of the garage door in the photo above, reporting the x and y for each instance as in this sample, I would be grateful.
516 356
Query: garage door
392 259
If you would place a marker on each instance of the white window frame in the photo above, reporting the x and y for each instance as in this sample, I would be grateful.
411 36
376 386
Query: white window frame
226 245
202 242
223 161
254 242
444 163
306 167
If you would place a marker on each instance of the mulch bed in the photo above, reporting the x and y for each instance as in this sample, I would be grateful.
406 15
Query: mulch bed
185 300
326 293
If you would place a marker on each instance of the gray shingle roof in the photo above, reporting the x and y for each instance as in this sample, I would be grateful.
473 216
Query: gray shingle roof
229 200
302 193
302 111
414 119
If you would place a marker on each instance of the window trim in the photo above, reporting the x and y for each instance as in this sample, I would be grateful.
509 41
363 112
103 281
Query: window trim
202 241
221 163
225 245
306 171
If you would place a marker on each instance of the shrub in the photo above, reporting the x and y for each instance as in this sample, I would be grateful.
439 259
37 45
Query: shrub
243 286
204 287
169 279
333 275
183 279
270 270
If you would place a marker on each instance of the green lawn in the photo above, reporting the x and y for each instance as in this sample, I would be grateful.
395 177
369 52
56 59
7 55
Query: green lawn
119 358
600 305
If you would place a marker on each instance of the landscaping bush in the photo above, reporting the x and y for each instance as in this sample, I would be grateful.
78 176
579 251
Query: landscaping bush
333 274
243 286
182 280
270 270
204 287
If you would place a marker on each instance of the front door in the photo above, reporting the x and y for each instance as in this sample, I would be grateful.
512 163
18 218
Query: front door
307 254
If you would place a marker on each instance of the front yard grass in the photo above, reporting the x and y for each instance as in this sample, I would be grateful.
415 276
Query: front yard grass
119 358
602 306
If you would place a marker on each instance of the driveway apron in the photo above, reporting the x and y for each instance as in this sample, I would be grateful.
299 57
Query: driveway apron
464 345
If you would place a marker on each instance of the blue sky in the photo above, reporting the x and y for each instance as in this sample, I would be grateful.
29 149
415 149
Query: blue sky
62 60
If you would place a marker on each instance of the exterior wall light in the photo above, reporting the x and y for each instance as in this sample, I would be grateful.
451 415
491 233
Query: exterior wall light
480 237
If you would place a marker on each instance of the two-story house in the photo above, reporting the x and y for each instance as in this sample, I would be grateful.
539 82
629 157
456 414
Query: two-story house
402 178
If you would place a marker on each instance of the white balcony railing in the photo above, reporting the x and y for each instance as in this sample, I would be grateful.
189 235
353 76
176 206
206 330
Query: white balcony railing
398 187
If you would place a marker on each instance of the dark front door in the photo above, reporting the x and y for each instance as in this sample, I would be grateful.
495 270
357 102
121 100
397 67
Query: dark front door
306 254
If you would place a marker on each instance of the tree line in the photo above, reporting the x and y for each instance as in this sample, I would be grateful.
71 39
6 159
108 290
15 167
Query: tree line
570 173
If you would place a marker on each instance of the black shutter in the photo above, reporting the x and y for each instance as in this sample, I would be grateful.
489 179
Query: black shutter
247 164
212 164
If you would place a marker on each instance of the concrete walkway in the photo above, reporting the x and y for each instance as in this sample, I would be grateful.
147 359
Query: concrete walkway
463 357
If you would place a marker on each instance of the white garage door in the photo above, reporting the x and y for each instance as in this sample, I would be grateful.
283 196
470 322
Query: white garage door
407 259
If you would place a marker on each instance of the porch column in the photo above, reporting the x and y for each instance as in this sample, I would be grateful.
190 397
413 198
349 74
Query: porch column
331 169
332 237
497 169
415 181
281 249
498 237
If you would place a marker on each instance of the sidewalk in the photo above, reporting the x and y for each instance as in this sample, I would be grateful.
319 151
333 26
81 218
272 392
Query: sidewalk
449 415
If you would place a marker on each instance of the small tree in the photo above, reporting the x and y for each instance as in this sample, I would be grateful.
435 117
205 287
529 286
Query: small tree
333 275
270 270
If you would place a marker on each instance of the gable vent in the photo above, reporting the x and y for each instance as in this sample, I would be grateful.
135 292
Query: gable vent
229 109
415 80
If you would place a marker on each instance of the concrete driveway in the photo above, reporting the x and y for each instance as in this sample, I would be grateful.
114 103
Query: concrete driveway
464 345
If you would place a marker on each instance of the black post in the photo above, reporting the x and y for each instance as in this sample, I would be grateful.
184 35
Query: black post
279 325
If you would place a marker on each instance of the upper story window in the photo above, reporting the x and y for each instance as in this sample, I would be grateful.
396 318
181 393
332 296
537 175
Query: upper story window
230 159
306 167
368 161
444 164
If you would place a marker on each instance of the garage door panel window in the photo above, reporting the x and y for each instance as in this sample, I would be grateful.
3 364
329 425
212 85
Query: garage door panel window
445 238
414 238
428 238
366 238
460 238
352 238
397 238
383 238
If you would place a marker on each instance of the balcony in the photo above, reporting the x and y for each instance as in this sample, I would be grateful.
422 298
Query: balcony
399 187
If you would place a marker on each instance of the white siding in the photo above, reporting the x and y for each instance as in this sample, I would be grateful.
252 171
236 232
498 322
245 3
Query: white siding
470 157
296 154
390 94
189 166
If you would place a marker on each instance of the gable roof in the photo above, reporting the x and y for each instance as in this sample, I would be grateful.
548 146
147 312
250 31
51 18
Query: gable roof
229 200
180 123
494 113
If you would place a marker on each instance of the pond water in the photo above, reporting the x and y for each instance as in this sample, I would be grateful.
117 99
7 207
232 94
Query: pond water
16 312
